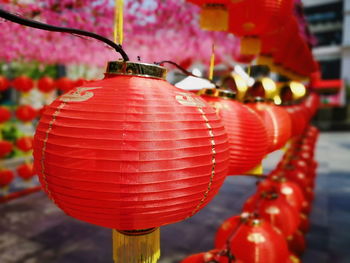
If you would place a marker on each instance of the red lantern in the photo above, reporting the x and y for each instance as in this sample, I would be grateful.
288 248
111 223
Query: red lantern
5 148
131 152
26 113
25 171
4 83
46 84
79 82
5 114
64 84
25 144
253 241
215 255
276 211
6 177
23 83
298 120
246 132
277 122
304 223
250 19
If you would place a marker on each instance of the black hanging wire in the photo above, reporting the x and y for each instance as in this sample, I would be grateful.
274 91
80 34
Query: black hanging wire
183 70
35 24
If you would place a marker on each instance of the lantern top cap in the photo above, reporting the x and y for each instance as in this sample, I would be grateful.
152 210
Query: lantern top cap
136 69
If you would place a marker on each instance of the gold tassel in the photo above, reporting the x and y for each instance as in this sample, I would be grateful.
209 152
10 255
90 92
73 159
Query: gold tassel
214 17
250 46
136 246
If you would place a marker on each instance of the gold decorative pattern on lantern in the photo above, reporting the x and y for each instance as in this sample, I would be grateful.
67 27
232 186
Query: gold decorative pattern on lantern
79 94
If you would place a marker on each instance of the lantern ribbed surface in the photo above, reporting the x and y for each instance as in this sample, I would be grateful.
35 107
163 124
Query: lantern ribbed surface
246 132
253 243
277 122
130 152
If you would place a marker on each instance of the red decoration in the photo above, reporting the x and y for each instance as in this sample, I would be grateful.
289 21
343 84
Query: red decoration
79 82
130 152
253 241
5 148
246 132
4 83
297 243
276 211
5 114
25 171
215 255
25 144
23 83
277 122
298 119
6 177
26 113
46 84
64 84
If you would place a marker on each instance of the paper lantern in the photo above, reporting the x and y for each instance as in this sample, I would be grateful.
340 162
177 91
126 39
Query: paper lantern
297 118
6 177
250 19
253 241
64 84
5 148
26 113
277 122
275 210
131 152
297 243
23 83
25 144
46 84
215 255
4 83
79 82
5 114
246 132
25 171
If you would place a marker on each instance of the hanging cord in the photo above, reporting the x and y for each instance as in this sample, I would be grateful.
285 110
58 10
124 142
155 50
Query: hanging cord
183 70
35 24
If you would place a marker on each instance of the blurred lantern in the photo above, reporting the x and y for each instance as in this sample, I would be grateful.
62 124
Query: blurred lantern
276 210
25 144
298 119
46 84
263 88
246 132
4 83
298 89
251 19
64 84
23 83
277 122
79 82
25 171
215 255
5 114
6 177
214 14
253 241
131 152
235 83
304 223
5 148
26 113
297 243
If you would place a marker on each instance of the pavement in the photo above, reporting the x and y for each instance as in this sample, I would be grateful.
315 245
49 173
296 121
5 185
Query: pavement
33 230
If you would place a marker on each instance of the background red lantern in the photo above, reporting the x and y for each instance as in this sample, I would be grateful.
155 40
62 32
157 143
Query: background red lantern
130 152
64 84
5 114
25 143
46 84
23 83
4 83
5 148
26 113
6 177
246 132
277 122
214 255
25 171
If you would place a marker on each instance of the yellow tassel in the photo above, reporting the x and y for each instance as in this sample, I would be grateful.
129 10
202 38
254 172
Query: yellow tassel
119 22
136 246
214 17
259 170
250 46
